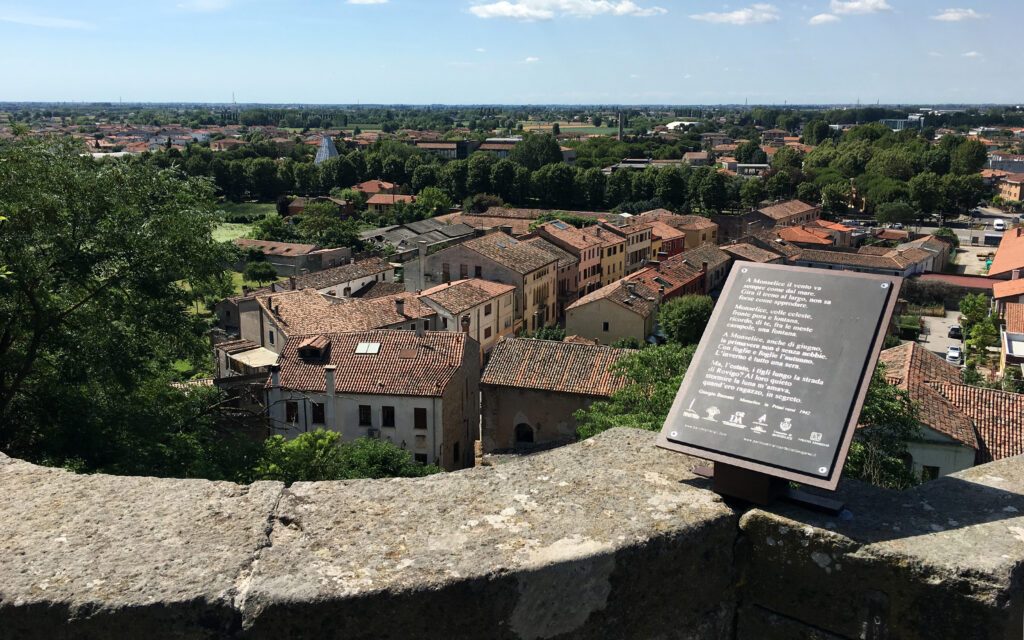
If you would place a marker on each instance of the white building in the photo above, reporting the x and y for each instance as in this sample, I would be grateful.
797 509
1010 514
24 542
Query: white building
418 390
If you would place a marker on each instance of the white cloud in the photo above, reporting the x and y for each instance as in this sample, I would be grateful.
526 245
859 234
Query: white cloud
972 54
823 18
204 6
956 15
34 20
480 50
367 1
531 60
548 9
754 14
856 7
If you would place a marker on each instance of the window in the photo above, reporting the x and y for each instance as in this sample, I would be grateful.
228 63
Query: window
478 272
487 309
291 411
446 272
487 333
420 458
318 413
929 473
456 458
387 416
463 272
605 327
365 419
270 336
420 418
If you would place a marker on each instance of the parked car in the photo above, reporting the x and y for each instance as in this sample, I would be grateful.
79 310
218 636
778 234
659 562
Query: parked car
897 225
954 355
956 332
999 224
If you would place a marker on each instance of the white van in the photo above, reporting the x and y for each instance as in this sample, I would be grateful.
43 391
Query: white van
999 224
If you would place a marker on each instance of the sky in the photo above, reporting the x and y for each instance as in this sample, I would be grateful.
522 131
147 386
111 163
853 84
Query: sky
512 51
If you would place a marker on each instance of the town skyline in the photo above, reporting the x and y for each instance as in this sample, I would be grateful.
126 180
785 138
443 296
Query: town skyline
571 52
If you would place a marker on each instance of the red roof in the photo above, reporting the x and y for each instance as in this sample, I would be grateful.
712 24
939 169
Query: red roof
1010 254
1008 288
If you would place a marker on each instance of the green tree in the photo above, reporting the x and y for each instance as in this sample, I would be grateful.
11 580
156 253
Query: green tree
433 202
670 186
752 193
105 261
711 192
322 225
968 158
535 151
555 129
503 179
628 343
750 152
947 234
260 272
926 192
888 421
320 455
816 132
983 334
478 176
895 212
654 375
974 308
684 319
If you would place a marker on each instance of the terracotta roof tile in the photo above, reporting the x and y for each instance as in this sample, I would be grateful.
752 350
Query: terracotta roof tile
404 364
750 252
786 209
1014 315
1010 254
575 238
1008 288
643 301
462 295
306 311
565 367
511 253
565 259
802 235
998 417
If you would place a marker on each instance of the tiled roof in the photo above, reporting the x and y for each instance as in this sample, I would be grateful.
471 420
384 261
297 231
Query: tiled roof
519 227
337 275
374 186
404 365
749 252
665 231
566 367
802 235
462 295
1014 315
565 259
914 369
570 235
893 260
436 145
695 257
1014 178
306 311
643 302
786 209
892 234
1008 288
835 226
674 278
998 417
271 248
379 290
389 198
1010 254
512 254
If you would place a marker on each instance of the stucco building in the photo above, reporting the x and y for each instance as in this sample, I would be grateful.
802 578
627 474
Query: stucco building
623 309
532 388
418 390
484 310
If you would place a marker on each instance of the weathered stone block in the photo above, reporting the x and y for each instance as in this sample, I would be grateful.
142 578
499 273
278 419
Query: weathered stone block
598 540
943 560
107 557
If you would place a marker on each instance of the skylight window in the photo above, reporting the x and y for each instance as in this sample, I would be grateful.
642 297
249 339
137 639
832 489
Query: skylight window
368 347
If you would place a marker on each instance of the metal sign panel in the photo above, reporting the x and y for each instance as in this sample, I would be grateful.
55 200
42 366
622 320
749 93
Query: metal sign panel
779 377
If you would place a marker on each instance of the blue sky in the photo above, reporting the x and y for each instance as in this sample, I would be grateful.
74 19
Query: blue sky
512 51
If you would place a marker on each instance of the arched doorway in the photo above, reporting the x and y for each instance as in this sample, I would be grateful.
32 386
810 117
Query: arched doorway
524 433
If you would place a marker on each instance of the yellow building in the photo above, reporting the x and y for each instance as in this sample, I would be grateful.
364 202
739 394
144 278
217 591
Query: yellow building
613 254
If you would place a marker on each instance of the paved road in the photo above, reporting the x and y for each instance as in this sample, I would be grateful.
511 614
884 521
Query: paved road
936 331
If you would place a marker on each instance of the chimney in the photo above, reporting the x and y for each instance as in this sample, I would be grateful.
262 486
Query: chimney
703 267
465 324
270 303
351 260
1018 231
419 328
329 379
291 282
506 229
400 306
631 288
1015 274
421 251
275 376
661 293
246 290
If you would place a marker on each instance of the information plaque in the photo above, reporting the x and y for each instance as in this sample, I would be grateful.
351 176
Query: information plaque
779 377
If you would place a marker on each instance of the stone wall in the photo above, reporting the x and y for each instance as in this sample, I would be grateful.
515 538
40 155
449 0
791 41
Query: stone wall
609 538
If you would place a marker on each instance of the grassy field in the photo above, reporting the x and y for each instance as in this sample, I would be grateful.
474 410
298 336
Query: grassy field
252 210
228 231
565 127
